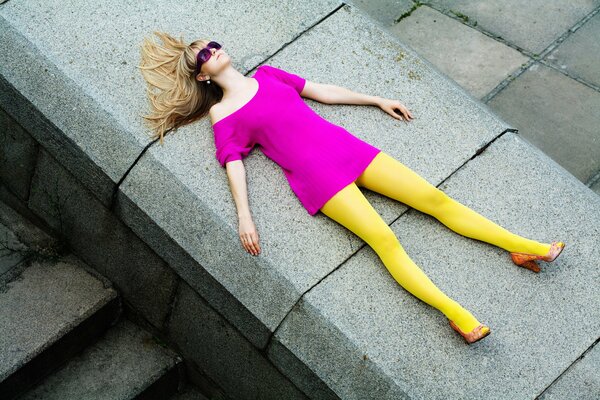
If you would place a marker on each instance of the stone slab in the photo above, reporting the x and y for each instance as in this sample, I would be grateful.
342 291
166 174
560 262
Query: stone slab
566 119
474 60
580 381
360 332
76 64
579 54
196 215
121 365
531 25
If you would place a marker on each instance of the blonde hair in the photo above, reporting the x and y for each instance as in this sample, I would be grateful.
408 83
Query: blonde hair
181 99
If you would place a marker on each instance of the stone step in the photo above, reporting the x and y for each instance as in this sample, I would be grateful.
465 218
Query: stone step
125 363
49 312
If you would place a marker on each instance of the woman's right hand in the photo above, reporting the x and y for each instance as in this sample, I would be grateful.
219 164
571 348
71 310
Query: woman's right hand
249 235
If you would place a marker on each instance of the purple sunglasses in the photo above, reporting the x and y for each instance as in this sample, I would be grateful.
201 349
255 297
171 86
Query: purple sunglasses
205 54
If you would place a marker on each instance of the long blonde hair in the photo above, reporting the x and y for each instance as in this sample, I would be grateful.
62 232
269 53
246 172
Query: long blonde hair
180 99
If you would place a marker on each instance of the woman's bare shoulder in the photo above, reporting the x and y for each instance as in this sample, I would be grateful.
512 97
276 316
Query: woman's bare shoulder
216 112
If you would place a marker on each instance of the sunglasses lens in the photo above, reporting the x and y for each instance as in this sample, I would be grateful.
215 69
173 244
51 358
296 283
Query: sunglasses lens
214 45
204 55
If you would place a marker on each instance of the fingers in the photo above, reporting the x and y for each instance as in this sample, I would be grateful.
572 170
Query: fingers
398 111
250 242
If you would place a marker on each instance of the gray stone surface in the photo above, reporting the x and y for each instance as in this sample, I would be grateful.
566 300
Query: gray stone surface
41 305
362 333
596 187
12 251
223 353
77 63
120 365
386 12
57 112
531 25
196 211
17 156
580 381
19 239
101 240
579 54
474 60
557 114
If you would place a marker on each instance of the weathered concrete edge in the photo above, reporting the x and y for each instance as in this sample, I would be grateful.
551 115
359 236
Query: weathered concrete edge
87 140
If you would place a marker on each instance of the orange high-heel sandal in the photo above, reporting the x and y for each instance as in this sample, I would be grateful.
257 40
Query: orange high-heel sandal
528 260
478 333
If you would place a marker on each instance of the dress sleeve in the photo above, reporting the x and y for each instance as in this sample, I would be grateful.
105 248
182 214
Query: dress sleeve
229 146
293 80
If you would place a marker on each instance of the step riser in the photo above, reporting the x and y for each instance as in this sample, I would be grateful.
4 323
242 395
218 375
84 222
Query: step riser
89 331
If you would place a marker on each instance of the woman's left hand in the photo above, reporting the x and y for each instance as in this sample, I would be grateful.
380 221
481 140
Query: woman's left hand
390 106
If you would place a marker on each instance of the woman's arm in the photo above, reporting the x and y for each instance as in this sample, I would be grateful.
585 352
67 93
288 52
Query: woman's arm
236 173
333 94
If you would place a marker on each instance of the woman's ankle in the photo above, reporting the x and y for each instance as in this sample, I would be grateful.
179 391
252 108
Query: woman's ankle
461 317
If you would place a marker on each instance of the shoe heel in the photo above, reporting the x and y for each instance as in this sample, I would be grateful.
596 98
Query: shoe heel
530 265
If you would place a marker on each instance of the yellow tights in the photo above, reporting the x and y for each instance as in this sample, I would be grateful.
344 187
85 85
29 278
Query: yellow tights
388 176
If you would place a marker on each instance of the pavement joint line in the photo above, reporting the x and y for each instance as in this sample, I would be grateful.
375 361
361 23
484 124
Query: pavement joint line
116 188
533 57
506 81
407 14
569 367
591 85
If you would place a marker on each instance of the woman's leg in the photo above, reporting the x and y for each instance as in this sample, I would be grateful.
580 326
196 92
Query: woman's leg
350 208
390 177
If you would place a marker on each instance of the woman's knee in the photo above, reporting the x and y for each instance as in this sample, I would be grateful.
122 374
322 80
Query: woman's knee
383 240
435 200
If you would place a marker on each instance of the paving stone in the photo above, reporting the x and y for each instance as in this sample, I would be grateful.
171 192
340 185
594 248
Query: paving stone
531 25
579 54
189 394
364 335
557 114
474 60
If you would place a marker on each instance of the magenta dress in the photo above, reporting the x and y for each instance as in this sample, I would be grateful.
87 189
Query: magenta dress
317 157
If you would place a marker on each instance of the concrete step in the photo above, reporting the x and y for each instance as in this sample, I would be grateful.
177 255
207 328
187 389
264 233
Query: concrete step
54 307
49 312
125 363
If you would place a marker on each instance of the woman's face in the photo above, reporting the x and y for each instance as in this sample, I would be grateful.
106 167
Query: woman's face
218 60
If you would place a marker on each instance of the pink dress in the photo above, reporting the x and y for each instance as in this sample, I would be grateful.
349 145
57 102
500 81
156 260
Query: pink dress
318 157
